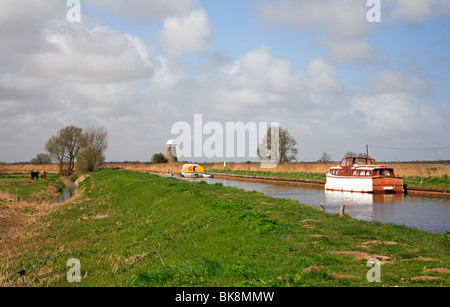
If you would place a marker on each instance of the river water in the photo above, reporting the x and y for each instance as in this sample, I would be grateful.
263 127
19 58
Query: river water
424 213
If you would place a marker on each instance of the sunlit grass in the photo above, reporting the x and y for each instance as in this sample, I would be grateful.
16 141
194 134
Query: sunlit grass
132 229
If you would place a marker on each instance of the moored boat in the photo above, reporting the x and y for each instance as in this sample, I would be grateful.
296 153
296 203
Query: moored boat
194 171
361 175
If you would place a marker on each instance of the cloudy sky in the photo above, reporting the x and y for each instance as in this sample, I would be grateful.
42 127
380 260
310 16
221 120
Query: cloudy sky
318 67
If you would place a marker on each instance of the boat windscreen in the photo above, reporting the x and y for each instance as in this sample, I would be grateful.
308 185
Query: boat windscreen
384 172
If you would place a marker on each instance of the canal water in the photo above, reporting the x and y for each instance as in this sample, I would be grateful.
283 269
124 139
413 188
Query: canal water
419 212
66 194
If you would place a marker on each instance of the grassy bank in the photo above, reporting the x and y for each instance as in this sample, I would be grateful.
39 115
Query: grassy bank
132 229
296 176
20 184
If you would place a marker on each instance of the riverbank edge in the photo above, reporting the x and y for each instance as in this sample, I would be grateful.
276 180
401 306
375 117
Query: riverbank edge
415 190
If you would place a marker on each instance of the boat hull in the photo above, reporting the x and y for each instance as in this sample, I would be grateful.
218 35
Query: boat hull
191 175
356 184
195 175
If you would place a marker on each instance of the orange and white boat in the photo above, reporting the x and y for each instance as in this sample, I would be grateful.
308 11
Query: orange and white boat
361 175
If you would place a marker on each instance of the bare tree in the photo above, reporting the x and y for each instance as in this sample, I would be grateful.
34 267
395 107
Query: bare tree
286 151
93 144
64 146
42 158
325 157
71 139
351 154
56 150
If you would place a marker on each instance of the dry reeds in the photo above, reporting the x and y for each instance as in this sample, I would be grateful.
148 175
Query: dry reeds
401 169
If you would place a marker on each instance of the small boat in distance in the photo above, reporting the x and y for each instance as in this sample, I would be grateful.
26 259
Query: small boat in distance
362 175
194 171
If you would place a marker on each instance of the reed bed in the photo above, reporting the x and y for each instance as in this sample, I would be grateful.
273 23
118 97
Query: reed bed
401 169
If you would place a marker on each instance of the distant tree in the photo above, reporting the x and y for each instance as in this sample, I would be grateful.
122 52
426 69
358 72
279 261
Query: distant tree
64 146
93 144
159 158
286 151
351 154
42 158
325 157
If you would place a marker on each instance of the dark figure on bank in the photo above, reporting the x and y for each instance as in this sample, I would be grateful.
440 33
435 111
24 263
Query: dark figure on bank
34 175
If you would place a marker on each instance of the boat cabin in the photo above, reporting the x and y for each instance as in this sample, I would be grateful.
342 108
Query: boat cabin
193 168
361 167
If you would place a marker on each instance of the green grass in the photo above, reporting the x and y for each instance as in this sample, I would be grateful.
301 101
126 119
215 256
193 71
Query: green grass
296 175
31 190
436 182
132 229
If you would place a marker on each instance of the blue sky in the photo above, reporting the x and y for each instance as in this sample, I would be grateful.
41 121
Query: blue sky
334 80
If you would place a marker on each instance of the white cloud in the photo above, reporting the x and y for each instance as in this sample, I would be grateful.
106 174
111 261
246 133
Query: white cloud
390 81
416 12
54 73
98 55
397 115
341 26
189 33
166 75
144 11
257 70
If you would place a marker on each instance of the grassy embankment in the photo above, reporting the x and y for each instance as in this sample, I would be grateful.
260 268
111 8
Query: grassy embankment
29 190
132 229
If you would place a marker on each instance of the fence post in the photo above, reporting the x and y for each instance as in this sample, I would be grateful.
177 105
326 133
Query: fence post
342 213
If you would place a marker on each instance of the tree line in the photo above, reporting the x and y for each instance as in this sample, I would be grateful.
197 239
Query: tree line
73 147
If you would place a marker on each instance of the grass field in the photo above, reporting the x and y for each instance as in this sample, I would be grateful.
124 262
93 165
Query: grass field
30 190
132 229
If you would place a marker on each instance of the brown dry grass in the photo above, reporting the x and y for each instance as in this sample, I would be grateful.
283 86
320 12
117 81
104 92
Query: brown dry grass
18 221
401 169
16 218
25 168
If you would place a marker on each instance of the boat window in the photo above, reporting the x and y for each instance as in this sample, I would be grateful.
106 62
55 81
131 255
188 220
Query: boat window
348 162
355 173
386 172
343 162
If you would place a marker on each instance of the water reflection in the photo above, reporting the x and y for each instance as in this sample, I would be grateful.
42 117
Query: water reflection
66 194
424 213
